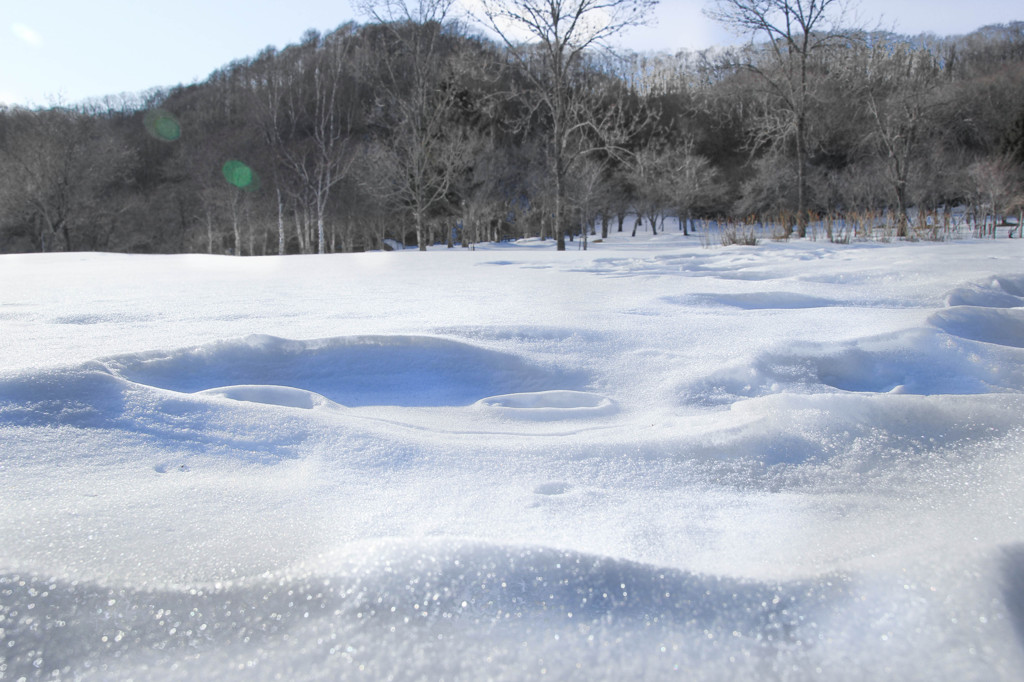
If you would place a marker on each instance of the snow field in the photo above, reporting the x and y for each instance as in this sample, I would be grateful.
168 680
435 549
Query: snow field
796 461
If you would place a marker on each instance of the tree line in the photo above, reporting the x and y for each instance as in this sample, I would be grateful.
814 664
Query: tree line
416 128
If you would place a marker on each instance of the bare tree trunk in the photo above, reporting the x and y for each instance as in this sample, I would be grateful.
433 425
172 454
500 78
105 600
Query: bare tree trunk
236 228
209 233
299 231
559 227
564 31
801 173
421 237
280 223
66 234
320 233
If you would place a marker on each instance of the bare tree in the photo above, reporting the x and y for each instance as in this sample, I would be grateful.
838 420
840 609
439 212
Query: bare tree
587 185
483 190
419 152
56 165
996 188
550 39
902 93
795 30
693 181
269 81
313 139
651 169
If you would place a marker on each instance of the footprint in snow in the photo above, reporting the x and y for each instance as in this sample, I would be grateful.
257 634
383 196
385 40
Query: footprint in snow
552 488
165 467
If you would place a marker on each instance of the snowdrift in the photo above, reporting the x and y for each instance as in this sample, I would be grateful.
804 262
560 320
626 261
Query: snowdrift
407 371
647 461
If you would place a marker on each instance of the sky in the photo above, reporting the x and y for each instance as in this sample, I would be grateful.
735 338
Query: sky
65 51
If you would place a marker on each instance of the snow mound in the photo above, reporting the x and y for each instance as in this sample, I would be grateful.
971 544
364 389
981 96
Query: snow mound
550 405
778 300
83 397
445 610
1000 326
1013 586
920 361
283 396
996 292
407 371
991 312
465 610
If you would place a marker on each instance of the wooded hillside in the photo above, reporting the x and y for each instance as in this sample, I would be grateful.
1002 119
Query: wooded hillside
427 132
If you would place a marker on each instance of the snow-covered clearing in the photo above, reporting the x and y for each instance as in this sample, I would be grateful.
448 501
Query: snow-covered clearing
649 460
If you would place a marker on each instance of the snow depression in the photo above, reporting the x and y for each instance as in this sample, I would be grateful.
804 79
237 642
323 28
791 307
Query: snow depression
648 460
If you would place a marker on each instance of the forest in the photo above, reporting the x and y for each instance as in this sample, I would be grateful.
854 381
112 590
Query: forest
416 129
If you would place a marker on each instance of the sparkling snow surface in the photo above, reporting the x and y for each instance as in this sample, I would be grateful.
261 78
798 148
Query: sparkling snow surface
649 460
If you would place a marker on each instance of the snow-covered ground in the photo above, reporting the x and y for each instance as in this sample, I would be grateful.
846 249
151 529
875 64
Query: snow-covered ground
649 460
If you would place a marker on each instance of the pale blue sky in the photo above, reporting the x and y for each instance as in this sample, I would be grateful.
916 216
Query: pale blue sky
74 49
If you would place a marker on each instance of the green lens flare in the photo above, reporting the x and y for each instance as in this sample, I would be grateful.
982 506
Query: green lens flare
162 125
239 175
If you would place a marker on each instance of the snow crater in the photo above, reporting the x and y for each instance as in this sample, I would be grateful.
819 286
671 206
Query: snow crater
403 371
550 405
